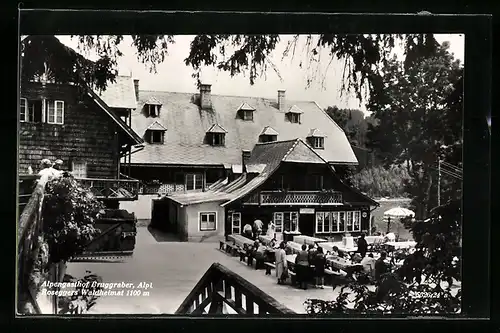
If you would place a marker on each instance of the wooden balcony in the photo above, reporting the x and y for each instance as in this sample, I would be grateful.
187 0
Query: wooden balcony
112 189
220 288
300 198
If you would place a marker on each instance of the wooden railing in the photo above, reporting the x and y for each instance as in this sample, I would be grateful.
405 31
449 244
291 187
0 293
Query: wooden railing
220 286
112 189
300 197
29 229
27 184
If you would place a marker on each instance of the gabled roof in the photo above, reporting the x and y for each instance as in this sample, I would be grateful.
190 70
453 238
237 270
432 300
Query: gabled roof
302 153
268 130
294 109
120 94
156 126
216 128
187 126
153 101
128 131
316 133
244 106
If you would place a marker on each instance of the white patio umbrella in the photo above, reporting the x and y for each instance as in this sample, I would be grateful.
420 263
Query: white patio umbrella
396 213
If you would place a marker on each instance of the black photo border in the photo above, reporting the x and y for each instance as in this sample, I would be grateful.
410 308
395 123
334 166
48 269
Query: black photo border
477 162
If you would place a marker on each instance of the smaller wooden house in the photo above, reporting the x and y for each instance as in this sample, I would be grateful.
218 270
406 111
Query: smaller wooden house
286 182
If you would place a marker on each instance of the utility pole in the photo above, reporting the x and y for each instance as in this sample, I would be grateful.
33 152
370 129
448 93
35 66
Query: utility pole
439 181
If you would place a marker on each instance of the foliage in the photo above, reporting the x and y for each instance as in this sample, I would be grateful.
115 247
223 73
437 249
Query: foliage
392 297
352 121
418 109
380 182
438 241
345 173
439 238
362 55
69 214
84 299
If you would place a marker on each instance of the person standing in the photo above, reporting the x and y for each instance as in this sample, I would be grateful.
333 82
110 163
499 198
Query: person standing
362 245
319 267
281 264
302 266
47 172
257 228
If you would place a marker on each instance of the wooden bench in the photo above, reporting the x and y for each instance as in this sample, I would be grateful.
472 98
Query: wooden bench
269 266
228 247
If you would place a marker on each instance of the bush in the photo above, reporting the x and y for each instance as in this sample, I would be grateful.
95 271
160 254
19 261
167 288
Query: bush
381 182
69 214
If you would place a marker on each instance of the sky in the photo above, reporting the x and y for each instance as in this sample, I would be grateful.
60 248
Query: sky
173 75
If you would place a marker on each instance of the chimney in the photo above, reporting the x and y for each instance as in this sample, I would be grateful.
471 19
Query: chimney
281 100
245 156
205 96
136 88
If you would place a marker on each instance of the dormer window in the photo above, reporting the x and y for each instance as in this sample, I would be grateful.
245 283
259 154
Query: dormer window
155 133
293 114
316 139
318 143
246 112
269 134
216 135
153 107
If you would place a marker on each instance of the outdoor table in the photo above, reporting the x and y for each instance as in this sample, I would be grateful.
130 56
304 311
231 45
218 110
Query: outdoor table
345 265
328 246
295 247
301 239
374 239
265 239
240 240
401 245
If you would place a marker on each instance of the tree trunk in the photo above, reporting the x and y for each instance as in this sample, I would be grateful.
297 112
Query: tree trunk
427 196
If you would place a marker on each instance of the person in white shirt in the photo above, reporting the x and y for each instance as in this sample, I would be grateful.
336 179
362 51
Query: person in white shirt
257 228
48 172
247 231
390 237
368 263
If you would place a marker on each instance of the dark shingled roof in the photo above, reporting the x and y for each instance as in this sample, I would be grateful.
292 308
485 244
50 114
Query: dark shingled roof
187 126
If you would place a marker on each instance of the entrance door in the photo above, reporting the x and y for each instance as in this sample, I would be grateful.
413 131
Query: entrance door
306 224
159 215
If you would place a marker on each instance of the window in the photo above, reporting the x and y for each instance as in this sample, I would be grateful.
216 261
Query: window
320 222
315 182
248 115
194 181
153 110
23 110
31 110
157 136
349 225
318 142
341 223
335 221
218 139
207 221
268 138
55 111
236 223
357 221
278 222
291 221
79 169
294 117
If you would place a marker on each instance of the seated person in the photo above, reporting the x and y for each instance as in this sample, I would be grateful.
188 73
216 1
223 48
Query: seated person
247 231
368 263
356 258
380 266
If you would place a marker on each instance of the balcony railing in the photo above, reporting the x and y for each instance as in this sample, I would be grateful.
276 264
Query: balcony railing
112 189
220 286
300 198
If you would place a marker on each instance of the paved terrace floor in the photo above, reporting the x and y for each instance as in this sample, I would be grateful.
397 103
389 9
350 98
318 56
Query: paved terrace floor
174 268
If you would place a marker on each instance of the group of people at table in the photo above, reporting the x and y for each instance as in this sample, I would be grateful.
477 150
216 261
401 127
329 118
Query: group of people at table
310 262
